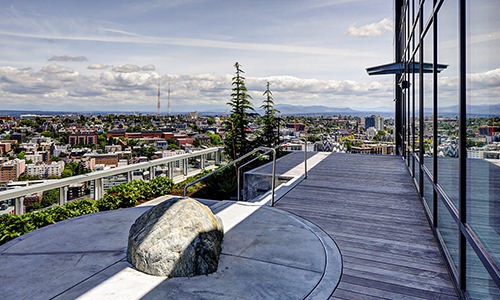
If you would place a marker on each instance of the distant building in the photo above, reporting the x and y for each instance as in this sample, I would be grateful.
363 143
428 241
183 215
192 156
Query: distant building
5 147
83 138
108 159
18 136
10 170
34 157
374 121
488 130
193 115
75 191
43 170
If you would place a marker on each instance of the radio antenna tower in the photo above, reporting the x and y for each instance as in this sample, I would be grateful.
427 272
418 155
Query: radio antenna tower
158 102
168 97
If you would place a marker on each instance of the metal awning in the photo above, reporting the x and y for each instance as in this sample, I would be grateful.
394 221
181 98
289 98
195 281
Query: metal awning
399 68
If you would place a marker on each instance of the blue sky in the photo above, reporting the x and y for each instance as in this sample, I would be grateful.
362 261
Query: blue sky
109 55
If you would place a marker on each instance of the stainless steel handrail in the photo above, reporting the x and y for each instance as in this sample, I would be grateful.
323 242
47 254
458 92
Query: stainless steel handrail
236 161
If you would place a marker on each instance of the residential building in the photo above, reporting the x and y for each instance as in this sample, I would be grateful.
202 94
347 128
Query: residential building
43 170
83 138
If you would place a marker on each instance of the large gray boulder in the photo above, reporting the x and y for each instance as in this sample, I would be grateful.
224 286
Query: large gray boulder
177 238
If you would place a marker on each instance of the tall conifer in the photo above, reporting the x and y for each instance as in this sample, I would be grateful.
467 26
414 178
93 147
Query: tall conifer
236 141
270 124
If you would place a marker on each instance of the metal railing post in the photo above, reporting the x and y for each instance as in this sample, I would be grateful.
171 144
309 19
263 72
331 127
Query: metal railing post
273 184
19 208
305 159
63 195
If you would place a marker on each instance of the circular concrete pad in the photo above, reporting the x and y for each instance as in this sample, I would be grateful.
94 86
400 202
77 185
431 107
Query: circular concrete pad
270 254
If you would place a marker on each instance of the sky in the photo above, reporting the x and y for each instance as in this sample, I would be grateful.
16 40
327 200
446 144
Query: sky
110 55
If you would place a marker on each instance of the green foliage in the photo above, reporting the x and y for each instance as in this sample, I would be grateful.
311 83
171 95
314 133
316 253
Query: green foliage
26 177
50 197
215 139
120 196
221 185
269 135
47 134
21 154
236 141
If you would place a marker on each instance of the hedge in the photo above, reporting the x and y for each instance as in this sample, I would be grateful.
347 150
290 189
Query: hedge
120 196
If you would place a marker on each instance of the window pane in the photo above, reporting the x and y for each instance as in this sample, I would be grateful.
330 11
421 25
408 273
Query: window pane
427 10
428 97
448 97
483 123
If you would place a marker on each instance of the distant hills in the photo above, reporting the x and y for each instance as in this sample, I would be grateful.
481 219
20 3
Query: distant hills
289 109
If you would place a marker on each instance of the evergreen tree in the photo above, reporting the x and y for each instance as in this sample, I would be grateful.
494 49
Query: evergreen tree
236 141
269 136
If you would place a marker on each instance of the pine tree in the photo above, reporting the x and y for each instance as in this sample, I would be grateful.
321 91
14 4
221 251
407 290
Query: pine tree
269 135
236 141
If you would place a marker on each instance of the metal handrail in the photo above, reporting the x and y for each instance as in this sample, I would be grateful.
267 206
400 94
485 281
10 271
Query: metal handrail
233 163
19 193
251 161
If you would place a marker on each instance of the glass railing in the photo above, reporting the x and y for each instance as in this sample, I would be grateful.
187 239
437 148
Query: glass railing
93 185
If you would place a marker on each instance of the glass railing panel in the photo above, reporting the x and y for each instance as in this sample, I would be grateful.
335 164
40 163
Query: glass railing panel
480 285
448 229
114 180
448 99
428 193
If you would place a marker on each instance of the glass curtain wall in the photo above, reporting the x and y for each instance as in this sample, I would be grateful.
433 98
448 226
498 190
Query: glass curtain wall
452 131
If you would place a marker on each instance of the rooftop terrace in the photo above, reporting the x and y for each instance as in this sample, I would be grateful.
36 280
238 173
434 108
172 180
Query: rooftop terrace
368 205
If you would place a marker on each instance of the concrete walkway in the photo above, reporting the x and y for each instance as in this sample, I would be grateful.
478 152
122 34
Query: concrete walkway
267 253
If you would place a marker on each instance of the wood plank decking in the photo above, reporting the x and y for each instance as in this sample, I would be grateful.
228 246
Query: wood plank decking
370 207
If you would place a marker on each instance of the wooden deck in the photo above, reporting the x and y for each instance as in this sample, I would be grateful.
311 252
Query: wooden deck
370 207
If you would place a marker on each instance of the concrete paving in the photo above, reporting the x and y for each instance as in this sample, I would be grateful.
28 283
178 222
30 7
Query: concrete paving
270 254
267 253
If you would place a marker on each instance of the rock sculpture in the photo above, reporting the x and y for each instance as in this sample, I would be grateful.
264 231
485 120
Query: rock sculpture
177 238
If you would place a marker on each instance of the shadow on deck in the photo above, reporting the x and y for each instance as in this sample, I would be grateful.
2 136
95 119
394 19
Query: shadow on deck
370 207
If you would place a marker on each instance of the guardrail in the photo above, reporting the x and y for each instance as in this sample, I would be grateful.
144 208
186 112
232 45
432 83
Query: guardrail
97 177
266 149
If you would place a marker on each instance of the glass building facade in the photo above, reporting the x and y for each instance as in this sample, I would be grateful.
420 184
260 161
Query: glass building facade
448 130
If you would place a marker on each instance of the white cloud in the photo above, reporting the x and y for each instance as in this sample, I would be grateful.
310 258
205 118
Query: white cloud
53 68
148 68
67 58
133 38
98 67
373 29
128 68
61 86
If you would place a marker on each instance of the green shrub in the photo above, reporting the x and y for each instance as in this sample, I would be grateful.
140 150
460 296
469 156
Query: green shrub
120 196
